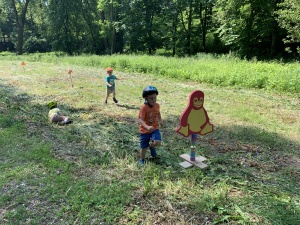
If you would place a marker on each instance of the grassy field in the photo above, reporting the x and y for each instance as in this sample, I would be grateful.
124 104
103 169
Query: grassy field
219 70
87 172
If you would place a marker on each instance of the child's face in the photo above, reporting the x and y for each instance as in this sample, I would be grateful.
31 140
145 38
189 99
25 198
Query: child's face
109 73
151 99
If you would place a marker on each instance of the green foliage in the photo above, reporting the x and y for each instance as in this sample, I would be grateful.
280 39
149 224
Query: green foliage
34 45
180 28
289 19
71 29
240 25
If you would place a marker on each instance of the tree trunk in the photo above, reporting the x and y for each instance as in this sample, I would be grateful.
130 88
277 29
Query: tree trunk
102 18
149 18
249 25
20 21
113 33
203 23
189 28
275 33
91 30
174 36
274 41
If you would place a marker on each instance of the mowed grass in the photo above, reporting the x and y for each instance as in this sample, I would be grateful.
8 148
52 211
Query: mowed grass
87 172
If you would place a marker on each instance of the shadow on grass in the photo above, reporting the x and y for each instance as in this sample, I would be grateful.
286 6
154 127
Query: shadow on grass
126 106
250 159
12 101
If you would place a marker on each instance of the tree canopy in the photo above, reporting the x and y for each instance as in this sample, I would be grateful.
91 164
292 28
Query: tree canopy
251 28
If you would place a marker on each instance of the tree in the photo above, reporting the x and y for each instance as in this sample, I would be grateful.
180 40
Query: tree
20 9
289 19
188 27
204 10
141 25
169 23
195 20
248 26
91 17
6 19
108 23
72 26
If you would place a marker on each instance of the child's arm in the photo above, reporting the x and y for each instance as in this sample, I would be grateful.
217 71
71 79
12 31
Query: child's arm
142 122
108 84
159 119
59 113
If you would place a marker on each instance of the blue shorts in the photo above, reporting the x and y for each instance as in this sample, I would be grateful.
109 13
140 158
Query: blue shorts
145 138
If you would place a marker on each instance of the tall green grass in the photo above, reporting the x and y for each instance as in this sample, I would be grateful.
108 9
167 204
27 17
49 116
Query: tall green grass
221 70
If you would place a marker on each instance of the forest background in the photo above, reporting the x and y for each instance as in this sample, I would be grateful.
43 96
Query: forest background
250 29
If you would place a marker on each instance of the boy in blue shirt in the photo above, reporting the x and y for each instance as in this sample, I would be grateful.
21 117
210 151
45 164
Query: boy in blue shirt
110 84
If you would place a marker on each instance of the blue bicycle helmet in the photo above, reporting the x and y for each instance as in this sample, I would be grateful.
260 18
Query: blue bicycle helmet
149 90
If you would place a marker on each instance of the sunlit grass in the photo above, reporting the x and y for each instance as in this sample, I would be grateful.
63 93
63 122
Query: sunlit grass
220 70
87 172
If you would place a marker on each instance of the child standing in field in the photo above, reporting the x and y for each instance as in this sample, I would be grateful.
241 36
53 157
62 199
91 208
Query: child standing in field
110 84
55 114
149 121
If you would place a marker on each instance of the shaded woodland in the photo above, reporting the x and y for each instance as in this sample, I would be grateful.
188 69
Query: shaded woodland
267 29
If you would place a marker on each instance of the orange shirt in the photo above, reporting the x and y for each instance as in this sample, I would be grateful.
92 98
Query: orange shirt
151 117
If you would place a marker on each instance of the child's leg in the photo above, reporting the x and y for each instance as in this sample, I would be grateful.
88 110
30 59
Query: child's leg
155 142
143 153
114 96
155 139
107 95
144 144
56 119
65 119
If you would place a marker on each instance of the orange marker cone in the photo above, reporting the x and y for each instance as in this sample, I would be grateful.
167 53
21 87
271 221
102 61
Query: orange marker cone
70 72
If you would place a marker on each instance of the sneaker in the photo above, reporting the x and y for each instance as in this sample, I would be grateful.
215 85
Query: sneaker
65 122
115 100
153 152
69 122
105 102
142 162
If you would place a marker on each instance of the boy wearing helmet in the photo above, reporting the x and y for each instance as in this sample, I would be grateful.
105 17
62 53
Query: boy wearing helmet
110 84
55 114
149 120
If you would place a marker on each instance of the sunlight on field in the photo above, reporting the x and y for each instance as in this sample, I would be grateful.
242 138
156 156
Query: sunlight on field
252 154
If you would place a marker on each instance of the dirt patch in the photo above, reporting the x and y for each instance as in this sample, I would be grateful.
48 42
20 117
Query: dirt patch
289 119
3 108
295 162
159 210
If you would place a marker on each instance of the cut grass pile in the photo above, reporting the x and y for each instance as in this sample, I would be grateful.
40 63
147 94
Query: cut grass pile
87 172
